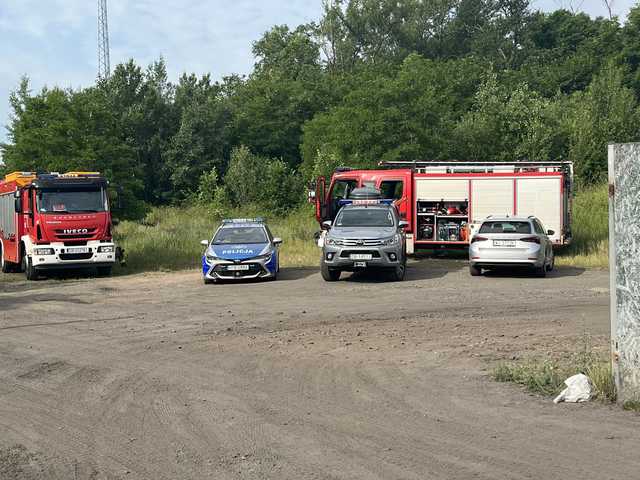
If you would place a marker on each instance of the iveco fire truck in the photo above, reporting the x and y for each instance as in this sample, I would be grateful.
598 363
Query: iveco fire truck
445 202
55 221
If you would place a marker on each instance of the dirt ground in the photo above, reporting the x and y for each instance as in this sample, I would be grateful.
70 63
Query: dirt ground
158 376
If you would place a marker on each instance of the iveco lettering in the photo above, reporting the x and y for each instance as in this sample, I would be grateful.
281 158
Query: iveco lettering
241 248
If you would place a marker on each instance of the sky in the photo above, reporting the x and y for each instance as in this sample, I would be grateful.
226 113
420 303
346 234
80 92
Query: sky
53 42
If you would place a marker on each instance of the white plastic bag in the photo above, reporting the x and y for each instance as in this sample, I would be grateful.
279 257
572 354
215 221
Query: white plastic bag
578 390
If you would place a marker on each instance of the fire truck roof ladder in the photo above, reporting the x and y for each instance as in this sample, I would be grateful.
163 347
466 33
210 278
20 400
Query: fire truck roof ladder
21 178
425 166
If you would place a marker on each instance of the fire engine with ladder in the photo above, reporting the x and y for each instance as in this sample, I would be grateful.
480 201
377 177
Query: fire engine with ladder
54 221
445 202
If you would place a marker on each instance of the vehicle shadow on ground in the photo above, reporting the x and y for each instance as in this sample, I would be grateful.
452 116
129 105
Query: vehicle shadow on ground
415 271
557 272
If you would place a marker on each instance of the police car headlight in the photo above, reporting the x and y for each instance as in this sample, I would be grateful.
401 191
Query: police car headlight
43 251
265 256
209 257
106 249
392 241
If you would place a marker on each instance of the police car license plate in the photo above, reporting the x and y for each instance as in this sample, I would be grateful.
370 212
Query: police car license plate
504 243
360 256
77 250
237 268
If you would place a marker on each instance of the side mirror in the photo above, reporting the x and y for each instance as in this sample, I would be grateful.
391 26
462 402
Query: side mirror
204 243
277 241
326 225
403 224
18 204
550 232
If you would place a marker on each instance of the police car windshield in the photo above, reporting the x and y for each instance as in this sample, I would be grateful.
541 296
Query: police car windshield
365 217
233 235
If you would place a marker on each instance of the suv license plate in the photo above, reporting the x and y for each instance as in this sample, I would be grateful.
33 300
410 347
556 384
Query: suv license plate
504 243
77 250
360 256
359 264
236 268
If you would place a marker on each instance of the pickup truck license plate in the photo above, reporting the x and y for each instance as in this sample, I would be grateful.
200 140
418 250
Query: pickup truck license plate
77 250
360 256
237 268
359 264
504 243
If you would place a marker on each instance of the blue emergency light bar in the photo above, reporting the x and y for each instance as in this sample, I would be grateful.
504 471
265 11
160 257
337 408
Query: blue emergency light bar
346 201
243 220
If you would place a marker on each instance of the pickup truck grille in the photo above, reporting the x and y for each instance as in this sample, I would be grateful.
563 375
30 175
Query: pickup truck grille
356 242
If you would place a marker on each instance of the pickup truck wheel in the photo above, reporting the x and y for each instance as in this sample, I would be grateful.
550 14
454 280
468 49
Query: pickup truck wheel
329 274
104 271
29 270
475 271
397 273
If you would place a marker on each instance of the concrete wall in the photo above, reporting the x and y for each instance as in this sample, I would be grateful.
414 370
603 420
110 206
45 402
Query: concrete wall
624 235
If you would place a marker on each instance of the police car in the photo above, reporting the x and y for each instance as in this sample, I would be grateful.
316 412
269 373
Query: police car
241 248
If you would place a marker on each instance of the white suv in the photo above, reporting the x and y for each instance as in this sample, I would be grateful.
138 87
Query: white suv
511 242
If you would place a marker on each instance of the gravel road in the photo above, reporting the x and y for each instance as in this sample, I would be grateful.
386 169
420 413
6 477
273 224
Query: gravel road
158 376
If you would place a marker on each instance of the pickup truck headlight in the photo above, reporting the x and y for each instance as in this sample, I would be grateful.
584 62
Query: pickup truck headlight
43 251
332 241
106 249
392 241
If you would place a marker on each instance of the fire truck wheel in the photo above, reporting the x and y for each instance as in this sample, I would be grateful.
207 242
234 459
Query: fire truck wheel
6 267
104 271
29 270
329 274
475 271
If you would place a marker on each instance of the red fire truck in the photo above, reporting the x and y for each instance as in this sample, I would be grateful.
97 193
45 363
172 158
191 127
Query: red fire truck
55 221
444 202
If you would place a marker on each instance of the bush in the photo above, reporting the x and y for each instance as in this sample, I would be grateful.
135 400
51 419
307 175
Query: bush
262 182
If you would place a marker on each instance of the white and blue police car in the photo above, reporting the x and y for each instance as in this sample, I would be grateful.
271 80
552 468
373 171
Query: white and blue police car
241 248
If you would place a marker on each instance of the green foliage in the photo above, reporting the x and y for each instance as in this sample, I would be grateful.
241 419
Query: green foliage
259 181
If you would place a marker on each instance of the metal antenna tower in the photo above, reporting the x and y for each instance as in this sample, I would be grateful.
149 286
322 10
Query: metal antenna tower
104 67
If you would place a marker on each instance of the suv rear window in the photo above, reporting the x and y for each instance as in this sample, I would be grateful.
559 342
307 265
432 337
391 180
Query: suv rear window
505 227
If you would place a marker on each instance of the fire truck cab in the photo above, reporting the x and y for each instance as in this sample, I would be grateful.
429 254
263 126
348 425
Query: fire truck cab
55 221
445 202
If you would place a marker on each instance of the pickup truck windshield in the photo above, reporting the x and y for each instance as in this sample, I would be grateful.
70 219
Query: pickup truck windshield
365 217
234 235
71 201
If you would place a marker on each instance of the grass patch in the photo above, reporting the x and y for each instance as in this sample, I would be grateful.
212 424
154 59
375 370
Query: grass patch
546 377
169 237
590 245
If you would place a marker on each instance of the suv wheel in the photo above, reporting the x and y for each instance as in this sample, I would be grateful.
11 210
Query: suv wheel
475 271
329 274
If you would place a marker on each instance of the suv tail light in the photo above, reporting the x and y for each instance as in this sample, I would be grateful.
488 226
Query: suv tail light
479 239
531 240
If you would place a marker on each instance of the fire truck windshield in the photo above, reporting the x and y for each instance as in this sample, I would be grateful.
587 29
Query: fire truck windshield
71 200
